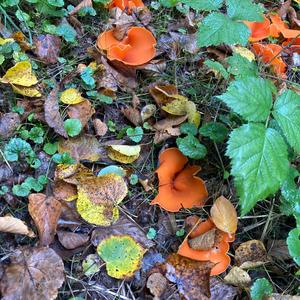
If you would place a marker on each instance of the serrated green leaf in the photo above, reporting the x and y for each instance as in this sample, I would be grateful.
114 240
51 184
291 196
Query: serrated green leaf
188 128
240 66
250 97
211 31
216 66
244 10
215 131
260 288
207 5
293 243
286 112
191 147
259 161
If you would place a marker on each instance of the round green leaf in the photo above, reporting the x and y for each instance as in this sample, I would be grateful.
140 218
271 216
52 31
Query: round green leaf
293 242
191 147
261 288
73 127
215 131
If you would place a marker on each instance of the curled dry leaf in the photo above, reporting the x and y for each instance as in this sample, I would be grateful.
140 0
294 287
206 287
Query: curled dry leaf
224 215
251 254
64 191
163 94
204 241
191 277
45 212
100 127
72 240
132 114
52 114
8 124
14 225
82 111
157 284
123 153
238 277
47 47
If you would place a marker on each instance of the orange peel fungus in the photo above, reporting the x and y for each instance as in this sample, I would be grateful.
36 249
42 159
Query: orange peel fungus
217 254
126 4
178 185
136 48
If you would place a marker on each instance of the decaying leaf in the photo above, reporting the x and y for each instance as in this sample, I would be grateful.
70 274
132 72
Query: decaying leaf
204 241
191 277
222 291
26 91
148 111
81 111
72 240
244 52
45 212
122 254
278 249
224 215
33 274
251 254
8 124
162 94
238 277
64 191
83 147
71 96
91 265
157 284
100 127
132 114
123 153
14 225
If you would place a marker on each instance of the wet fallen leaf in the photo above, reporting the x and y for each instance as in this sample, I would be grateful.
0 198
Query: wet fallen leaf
132 114
204 241
72 240
222 291
123 153
100 127
238 277
122 254
83 147
71 96
9 122
251 254
33 274
45 212
82 111
47 47
14 225
64 191
191 277
157 284
224 215
52 114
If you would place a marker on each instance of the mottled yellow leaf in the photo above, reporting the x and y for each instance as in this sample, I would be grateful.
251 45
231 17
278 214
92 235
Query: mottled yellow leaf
192 113
5 41
26 91
123 154
244 52
177 107
71 96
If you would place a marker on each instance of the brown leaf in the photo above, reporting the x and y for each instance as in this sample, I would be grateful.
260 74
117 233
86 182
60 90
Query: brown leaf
222 291
100 127
132 114
52 114
64 191
83 147
162 94
82 4
14 225
278 249
157 284
224 215
281 297
47 47
251 254
69 216
191 277
238 277
204 241
124 226
72 240
45 212
82 111
33 274
8 124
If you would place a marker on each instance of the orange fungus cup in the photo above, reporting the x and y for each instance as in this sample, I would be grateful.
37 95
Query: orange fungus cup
217 254
259 30
178 185
136 48
126 4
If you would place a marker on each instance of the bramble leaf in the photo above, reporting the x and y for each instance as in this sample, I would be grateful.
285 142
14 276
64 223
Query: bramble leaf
260 163
204 4
261 288
217 67
293 243
287 113
250 97
240 66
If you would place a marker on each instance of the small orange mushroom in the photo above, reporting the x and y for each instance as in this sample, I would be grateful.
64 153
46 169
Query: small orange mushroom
278 26
217 254
136 48
292 44
270 54
259 30
178 185
126 4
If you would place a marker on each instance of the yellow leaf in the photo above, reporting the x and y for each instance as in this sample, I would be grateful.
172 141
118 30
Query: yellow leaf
244 52
20 74
26 91
123 154
5 41
177 107
192 113
71 96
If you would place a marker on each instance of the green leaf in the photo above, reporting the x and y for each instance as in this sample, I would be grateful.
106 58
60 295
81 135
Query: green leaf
168 3
34 184
244 10
50 148
260 288
112 169
211 31
191 147
91 265
56 3
240 66
151 234
65 30
64 158
207 5
188 128
20 190
135 134
293 243
216 66
259 161
72 127
87 76
215 131
286 112
36 134
250 97
15 147
133 179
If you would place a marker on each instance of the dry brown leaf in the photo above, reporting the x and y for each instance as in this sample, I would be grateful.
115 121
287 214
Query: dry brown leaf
82 111
224 215
83 147
278 249
47 47
72 240
251 254
82 4
157 284
222 291
281 297
191 277
8 124
204 241
52 114
14 225
64 191
33 274
132 114
238 277
162 94
45 212
100 127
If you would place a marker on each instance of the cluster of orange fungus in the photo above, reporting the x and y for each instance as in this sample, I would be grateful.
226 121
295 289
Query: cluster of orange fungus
126 4
136 48
178 185
259 30
217 254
